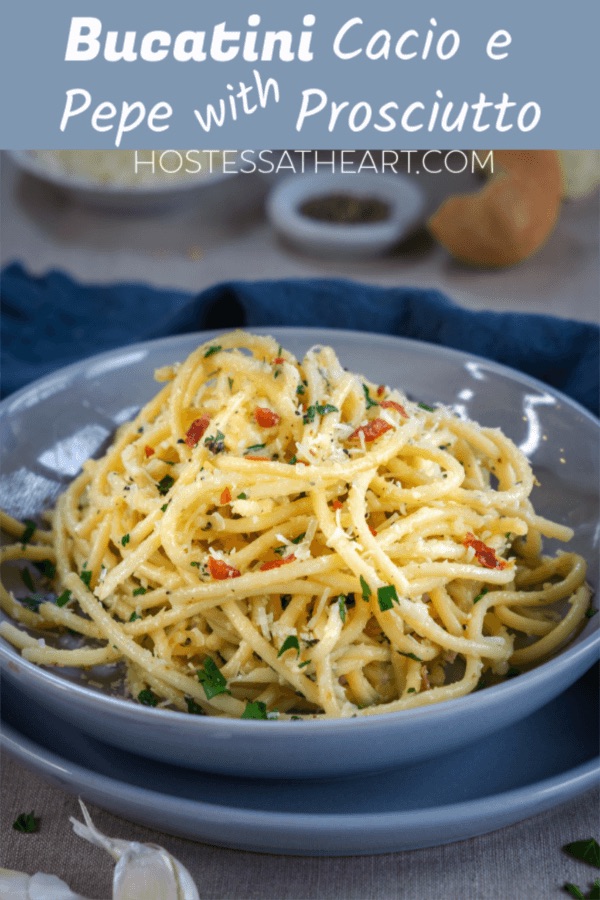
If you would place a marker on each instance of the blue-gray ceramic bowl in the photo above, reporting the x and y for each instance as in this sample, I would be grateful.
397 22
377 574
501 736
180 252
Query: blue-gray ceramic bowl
50 427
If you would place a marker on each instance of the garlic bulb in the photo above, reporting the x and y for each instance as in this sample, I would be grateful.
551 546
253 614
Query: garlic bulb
142 870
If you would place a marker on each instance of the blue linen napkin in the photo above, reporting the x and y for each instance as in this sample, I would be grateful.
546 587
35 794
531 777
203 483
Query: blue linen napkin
50 321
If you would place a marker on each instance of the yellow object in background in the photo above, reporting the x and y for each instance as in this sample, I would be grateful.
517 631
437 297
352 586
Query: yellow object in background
512 215
581 172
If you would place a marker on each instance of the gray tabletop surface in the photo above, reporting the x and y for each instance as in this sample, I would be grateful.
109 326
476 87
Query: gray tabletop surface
225 235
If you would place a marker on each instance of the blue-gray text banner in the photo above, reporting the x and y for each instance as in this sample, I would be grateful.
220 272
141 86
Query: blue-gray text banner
102 73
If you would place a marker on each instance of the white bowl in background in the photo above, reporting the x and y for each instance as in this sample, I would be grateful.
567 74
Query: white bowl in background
401 193
115 193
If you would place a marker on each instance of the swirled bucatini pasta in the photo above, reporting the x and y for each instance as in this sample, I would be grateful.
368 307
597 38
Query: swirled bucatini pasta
274 538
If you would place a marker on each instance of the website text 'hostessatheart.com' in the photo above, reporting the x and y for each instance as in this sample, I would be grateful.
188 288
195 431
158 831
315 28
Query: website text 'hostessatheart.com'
301 162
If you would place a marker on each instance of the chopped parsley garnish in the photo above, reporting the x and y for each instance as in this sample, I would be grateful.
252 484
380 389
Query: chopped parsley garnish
280 550
291 642
320 409
164 507
411 656
306 662
366 590
242 496
386 597
590 611
298 539
587 851
125 540
215 443
411 691
230 383
300 390
576 891
255 710
255 447
342 607
28 532
368 400
212 350
479 596
165 484
326 408
64 598
134 616
86 576
27 579
26 823
46 568
194 707
293 460
147 697
426 407
139 591
211 679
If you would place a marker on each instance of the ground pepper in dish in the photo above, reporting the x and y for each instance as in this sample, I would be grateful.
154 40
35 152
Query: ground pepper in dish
345 209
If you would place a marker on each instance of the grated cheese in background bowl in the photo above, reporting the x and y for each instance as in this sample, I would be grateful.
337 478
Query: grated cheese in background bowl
118 167
108 180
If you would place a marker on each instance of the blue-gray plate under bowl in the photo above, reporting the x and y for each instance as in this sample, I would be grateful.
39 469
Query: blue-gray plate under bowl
522 770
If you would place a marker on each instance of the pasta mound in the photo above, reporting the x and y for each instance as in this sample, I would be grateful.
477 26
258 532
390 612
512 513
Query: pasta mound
274 538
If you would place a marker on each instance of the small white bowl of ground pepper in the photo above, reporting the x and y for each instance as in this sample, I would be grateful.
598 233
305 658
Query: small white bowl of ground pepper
350 215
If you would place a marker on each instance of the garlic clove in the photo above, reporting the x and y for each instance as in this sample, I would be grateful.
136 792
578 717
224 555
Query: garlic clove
13 885
142 870
49 887
19 886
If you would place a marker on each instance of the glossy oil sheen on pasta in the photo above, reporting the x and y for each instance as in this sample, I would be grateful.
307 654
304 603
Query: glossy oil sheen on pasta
273 538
